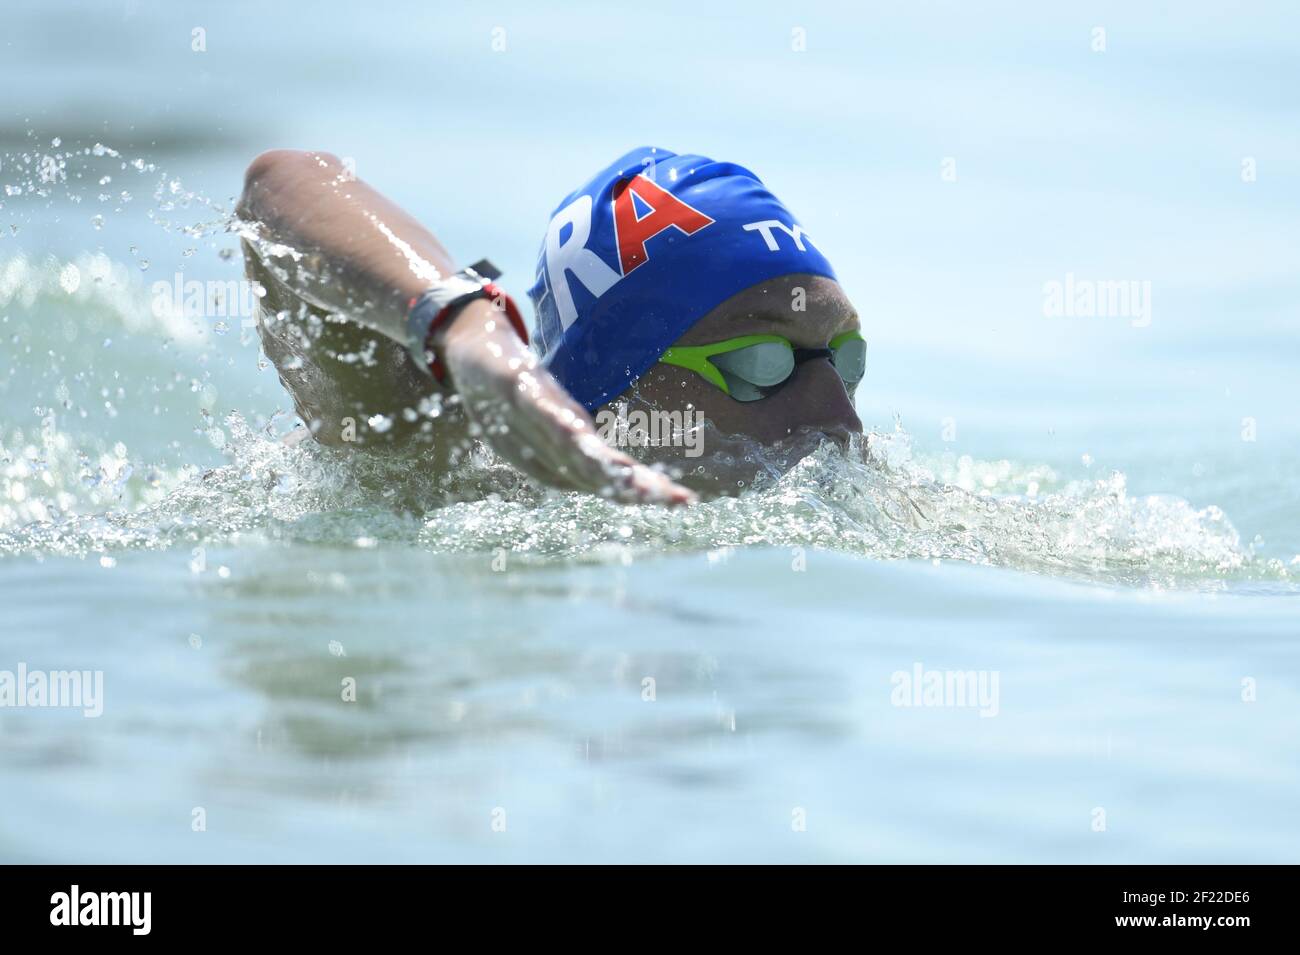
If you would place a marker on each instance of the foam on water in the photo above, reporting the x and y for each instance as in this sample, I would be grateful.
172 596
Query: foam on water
877 501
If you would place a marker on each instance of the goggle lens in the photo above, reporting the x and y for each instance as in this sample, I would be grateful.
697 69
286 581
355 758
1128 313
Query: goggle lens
850 359
755 371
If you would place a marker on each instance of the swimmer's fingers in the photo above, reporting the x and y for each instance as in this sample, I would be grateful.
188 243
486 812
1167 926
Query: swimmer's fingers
623 479
573 458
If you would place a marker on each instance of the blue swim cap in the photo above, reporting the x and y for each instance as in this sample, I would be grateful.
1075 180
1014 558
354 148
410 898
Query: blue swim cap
642 252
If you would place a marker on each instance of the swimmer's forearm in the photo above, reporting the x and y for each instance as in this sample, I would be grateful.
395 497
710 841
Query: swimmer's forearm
488 363
529 418
338 243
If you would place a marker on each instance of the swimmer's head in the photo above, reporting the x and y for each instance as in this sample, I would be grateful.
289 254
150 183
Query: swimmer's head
660 251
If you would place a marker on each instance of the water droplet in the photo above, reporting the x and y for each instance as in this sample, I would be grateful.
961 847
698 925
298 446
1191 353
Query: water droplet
70 278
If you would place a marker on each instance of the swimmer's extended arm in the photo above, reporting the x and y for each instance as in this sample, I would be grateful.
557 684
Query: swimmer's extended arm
341 246
336 242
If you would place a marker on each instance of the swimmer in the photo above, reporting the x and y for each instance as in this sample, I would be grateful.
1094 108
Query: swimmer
667 284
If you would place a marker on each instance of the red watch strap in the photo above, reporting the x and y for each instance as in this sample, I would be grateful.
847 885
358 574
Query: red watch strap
500 299
499 295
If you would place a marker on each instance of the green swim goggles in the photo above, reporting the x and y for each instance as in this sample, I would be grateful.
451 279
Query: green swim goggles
753 367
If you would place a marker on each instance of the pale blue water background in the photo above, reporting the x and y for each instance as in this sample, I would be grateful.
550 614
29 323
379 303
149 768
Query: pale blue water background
1121 628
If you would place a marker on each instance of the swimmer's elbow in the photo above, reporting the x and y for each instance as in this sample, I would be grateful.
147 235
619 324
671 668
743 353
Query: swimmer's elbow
276 163
276 168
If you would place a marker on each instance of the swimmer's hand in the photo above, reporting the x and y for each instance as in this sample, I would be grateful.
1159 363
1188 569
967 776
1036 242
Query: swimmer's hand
531 421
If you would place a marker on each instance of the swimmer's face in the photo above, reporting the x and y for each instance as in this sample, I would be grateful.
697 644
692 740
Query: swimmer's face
812 406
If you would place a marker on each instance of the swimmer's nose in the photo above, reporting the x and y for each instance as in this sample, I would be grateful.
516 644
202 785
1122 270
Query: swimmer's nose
823 401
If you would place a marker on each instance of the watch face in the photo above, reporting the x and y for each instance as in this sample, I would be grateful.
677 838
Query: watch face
485 270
